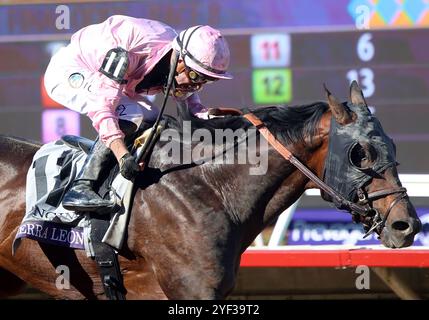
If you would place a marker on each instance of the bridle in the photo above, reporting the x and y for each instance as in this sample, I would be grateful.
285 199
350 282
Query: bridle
374 221
362 211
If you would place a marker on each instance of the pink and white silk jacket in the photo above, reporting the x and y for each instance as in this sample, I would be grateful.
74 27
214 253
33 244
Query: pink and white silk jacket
146 41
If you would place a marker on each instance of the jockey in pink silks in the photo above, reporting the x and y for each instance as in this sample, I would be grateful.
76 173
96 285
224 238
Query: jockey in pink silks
104 72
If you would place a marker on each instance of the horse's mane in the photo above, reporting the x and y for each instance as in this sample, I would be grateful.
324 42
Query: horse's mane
289 123
17 145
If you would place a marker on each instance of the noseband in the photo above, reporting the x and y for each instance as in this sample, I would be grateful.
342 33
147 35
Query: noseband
373 221
362 211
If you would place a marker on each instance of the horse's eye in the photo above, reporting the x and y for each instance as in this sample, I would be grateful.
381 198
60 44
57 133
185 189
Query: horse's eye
362 155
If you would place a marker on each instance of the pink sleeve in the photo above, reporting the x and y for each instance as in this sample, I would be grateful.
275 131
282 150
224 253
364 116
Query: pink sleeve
141 38
195 106
102 109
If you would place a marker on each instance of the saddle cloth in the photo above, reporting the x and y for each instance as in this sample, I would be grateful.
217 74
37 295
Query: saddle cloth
54 167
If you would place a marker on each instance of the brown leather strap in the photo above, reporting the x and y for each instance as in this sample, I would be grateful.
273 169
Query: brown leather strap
382 193
269 136
360 208
279 147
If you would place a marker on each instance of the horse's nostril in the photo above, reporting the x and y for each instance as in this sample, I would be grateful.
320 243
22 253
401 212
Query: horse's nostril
400 225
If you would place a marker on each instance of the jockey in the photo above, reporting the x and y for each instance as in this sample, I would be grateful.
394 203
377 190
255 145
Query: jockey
105 71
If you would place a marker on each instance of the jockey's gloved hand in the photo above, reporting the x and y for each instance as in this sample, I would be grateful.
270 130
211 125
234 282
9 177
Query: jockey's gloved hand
128 166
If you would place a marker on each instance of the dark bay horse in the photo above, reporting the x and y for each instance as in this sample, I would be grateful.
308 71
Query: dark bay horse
190 224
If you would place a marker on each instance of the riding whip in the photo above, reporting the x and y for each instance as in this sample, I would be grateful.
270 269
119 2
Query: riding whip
114 236
144 150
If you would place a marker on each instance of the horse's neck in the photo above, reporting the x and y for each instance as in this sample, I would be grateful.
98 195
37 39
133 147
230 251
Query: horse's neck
261 196
250 197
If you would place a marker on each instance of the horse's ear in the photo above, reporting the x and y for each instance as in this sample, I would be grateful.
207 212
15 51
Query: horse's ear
340 113
356 95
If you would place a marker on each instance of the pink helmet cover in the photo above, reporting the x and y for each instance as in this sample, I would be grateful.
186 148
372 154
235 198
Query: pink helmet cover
204 50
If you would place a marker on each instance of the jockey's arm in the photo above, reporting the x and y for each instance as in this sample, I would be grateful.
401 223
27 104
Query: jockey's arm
118 148
103 116
200 111
196 107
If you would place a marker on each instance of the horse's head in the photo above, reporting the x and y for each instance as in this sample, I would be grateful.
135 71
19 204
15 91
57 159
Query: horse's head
361 165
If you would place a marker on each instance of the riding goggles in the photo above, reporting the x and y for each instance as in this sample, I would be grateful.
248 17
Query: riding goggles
198 78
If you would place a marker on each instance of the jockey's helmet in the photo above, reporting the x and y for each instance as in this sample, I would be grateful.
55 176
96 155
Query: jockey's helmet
204 50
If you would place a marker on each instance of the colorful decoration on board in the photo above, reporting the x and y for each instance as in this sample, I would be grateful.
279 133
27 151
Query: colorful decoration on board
392 13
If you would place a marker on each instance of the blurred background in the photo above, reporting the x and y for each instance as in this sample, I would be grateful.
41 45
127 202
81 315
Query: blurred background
282 53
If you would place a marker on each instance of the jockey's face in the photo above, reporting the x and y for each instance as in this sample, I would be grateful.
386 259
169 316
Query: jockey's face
188 81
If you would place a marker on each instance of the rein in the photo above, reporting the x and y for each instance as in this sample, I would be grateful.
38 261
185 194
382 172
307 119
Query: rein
360 210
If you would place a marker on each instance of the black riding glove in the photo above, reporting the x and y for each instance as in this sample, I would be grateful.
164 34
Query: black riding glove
128 167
